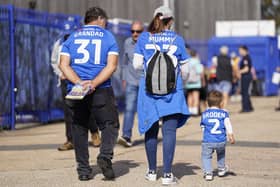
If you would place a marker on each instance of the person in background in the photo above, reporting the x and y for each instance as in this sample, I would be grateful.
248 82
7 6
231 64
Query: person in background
62 82
216 126
203 91
130 83
188 49
88 59
193 82
171 108
246 78
235 91
212 77
224 74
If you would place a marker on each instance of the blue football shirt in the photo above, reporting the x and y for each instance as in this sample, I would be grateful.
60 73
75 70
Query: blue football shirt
151 108
88 49
212 120
165 41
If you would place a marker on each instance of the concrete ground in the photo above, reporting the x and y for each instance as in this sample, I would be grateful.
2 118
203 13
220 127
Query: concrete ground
29 156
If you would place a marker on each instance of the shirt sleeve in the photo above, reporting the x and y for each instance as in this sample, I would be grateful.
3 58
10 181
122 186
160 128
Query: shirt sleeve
66 48
184 57
228 125
113 49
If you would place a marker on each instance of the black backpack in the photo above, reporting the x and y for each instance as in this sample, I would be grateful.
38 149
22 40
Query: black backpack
160 73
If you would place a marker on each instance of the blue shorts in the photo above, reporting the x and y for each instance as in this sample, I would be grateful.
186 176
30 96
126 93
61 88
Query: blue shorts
224 87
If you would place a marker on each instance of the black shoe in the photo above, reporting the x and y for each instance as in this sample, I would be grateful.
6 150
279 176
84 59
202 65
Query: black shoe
105 165
277 109
85 177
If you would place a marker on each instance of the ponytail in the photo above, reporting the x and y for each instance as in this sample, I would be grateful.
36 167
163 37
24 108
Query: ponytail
157 25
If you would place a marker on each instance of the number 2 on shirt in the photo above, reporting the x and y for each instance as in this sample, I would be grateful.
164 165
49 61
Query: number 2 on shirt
82 50
215 130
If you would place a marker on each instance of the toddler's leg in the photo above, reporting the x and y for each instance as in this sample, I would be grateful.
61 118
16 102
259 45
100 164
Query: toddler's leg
206 156
221 153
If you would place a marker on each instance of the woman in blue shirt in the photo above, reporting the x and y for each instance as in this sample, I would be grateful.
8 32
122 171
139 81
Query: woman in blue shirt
170 108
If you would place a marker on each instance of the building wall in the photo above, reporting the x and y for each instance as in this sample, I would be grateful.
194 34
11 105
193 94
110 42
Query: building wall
201 15
195 19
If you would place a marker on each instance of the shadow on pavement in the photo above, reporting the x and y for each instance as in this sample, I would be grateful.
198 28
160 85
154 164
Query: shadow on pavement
142 141
120 167
28 147
253 144
182 169
238 143
229 173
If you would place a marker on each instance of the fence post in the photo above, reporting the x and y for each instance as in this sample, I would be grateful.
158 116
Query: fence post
12 63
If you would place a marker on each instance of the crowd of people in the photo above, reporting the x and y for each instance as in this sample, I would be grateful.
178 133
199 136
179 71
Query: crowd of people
164 82
228 73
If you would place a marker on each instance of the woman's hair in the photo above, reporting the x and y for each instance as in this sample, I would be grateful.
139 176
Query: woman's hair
157 25
214 98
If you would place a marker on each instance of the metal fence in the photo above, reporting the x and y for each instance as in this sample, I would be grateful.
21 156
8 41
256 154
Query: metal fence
28 86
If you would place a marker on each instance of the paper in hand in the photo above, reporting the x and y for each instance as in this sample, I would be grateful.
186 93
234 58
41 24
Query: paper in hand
77 92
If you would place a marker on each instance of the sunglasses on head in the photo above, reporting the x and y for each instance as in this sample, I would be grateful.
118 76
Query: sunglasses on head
137 31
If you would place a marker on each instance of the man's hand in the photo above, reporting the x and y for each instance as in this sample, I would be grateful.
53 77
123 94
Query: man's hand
88 84
62 76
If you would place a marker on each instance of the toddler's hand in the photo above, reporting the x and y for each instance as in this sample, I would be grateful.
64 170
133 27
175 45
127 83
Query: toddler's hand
231 139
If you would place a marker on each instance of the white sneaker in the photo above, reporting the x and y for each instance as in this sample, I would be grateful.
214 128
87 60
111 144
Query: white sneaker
222 171
126 142
208 176
151 175
168 179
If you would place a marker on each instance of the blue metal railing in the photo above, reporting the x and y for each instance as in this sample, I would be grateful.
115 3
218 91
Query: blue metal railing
12 63
14 22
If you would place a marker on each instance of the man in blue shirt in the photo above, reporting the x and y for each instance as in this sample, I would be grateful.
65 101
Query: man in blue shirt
130 83
62 83
88 58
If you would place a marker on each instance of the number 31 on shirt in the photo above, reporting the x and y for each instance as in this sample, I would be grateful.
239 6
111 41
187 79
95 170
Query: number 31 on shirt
83 43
